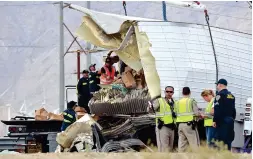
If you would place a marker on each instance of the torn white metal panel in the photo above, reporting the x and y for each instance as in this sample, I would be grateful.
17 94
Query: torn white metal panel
148 63
92 32
110 23
132 49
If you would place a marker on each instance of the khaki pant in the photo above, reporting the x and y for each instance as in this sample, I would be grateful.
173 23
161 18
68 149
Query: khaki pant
164 139
186 137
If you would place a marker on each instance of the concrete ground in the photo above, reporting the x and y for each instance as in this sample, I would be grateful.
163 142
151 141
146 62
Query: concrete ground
142 155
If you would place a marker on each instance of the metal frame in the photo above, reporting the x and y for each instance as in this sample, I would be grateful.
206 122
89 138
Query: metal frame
66 91
8 143
78 52
62 54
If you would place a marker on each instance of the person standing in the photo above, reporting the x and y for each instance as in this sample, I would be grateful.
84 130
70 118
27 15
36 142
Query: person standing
94 79
107 72
186 110
165 125
83 91
69 115
224 114
208 96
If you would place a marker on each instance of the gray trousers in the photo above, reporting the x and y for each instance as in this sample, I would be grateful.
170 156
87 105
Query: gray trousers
164 139
186 137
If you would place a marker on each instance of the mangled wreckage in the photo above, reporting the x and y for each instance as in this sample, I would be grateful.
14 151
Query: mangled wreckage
122 121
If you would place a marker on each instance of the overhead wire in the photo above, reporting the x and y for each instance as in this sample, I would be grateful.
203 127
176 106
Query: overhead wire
24 5
217 4
210 13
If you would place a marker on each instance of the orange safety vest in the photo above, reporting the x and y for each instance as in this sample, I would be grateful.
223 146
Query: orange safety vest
104 80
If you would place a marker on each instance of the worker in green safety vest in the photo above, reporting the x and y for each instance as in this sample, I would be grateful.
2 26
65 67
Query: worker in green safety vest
187 112
208 96
164 117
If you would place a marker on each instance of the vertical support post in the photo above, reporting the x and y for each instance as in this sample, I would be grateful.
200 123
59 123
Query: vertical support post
78 65
88 45
164 11
61 60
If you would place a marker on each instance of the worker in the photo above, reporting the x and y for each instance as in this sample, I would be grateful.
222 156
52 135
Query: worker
69 115
186 110
224 114
165 117
83 91
208 96
94 79
107 72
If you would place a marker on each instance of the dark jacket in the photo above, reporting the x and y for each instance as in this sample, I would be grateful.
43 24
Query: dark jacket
94 80
224 106
69 116
83 87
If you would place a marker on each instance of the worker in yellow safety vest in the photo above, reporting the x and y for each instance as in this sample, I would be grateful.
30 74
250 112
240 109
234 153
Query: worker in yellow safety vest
208 96
164 116
186 110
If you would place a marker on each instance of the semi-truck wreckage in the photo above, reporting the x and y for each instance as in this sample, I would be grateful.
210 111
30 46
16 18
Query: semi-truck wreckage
120 121
123 123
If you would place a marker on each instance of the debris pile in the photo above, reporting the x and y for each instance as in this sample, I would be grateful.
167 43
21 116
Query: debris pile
65 139
107 102
127 95
80 112
42 114
132 79
120 112
86 135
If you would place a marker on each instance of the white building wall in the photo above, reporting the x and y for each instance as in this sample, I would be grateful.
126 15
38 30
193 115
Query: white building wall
184 57
4 115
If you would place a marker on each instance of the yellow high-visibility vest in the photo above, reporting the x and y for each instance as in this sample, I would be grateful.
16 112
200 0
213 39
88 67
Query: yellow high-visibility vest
164 113
209 121
183 109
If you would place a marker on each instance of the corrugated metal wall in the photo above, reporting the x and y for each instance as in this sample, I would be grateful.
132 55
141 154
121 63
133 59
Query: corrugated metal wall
184 57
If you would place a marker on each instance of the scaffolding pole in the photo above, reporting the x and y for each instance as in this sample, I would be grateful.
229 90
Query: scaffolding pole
88 45
61 60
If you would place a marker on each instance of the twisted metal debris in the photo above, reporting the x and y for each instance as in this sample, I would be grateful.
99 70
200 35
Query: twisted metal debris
108 102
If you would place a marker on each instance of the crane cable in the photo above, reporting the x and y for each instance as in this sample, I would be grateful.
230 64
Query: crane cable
122 64
214 52
124 6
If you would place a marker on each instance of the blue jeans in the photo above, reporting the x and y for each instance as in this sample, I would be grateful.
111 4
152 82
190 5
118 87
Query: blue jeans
210 134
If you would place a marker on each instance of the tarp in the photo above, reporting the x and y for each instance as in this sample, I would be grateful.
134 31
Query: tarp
109 30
